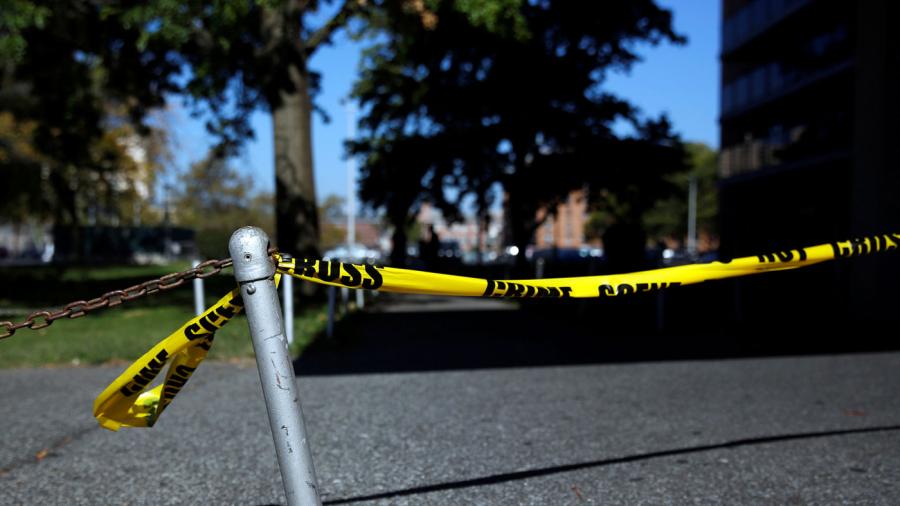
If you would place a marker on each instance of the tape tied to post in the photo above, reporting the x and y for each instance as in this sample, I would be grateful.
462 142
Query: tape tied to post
129 402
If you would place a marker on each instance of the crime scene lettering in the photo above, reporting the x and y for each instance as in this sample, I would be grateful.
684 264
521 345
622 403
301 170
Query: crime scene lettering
176 381
783 256
376 280
206 344
865 245
305 267
607 290
331 270
145 375
353 277
349 275
213 320
509 289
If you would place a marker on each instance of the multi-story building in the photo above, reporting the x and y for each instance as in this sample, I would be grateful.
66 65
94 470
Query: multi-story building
809 135
565 228
470 235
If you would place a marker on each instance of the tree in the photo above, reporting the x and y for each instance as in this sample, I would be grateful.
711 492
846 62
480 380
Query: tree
214 200
455 107
668 217
228 58
71 90
334 220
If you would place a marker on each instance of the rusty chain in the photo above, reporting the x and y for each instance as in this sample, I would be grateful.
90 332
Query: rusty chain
77 309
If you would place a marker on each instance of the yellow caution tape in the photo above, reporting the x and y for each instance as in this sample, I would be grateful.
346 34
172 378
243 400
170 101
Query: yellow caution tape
389 279
126 402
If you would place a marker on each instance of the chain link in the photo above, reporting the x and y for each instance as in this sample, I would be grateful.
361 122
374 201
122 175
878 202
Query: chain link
77 309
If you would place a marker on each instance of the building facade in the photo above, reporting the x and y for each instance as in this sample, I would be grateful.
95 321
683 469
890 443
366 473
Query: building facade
565 227
808 119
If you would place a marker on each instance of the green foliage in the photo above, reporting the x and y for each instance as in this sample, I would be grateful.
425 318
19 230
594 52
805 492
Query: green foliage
333 230
21 171
15 17
668 217
473 100
125 333
75 90
214 200
497 16
225 58
333 208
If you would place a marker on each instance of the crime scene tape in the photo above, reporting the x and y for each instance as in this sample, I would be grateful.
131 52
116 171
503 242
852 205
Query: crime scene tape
390 279
126 402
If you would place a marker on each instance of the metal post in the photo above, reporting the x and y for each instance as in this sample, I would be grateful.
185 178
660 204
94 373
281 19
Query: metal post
199 302
692 218
287 293
351 196
329 329
351 180
254 271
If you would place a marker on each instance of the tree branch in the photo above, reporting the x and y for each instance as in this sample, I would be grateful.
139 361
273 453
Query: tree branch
323 34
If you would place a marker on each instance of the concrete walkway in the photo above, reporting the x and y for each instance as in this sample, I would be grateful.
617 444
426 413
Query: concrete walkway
802 430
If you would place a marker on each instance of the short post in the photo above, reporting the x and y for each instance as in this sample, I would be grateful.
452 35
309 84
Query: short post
360 299
329 328
287 294
199 302
254 271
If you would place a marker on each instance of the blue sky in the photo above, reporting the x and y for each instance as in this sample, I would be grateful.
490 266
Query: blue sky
681 81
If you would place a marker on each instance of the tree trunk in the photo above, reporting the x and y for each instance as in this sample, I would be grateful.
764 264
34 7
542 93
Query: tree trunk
399 243
521 222
296 218
296 215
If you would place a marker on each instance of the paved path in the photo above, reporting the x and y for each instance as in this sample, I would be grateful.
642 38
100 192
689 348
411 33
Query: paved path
448 402
809 430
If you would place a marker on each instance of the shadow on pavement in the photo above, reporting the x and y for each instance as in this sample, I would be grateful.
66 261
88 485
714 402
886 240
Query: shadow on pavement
421 333
544 471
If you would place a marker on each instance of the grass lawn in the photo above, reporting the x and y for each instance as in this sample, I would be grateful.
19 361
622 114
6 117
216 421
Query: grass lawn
83 273
124 333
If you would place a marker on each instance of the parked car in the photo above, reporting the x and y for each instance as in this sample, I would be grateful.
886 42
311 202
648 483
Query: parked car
353 253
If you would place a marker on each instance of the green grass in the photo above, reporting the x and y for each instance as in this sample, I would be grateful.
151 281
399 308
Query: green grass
98 273
125 333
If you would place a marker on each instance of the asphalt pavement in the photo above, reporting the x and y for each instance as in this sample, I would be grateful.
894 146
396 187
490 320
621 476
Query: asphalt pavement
782 430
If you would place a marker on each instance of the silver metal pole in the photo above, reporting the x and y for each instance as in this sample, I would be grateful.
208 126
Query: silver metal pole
351 195
329 329
287 294
254 271
199 305
692 217
351 180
